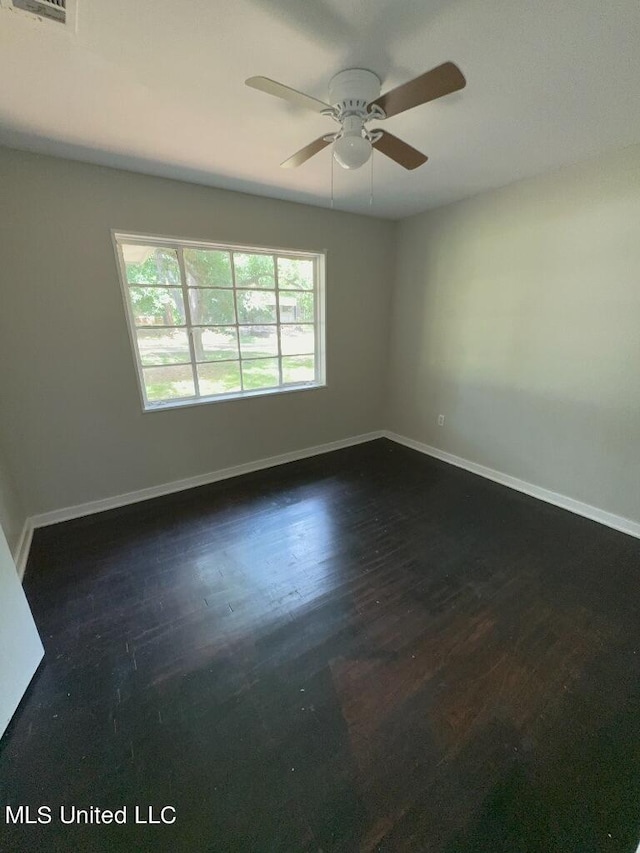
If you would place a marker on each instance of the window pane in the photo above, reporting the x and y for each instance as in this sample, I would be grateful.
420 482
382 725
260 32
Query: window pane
157 306
163 346
297 339
257 341
150 264
298 368
220 378
296 307
255 306
211 307
262 373
254 270
208 268
295 273
212 320
169 383
220 343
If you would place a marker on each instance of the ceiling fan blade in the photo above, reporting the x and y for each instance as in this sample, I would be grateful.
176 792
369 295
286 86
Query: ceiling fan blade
279 90
306 153
432 84
399 151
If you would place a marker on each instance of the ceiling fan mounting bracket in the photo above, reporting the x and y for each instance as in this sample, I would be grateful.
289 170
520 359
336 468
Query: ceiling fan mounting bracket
375 113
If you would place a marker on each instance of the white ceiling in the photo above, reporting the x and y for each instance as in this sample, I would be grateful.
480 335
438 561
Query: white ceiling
158 86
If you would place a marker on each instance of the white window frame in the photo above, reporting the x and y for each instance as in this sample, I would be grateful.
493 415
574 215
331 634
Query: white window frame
179 244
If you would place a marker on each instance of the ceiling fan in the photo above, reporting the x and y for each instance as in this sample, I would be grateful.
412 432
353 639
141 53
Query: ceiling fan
355 100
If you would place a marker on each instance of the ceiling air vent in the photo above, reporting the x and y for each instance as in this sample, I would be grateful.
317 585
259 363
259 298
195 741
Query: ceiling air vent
59 11
54 10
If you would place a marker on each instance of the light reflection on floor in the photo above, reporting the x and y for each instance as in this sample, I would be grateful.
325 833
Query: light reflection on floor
278 561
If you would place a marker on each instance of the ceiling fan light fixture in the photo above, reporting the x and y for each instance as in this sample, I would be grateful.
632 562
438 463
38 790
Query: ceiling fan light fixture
352 150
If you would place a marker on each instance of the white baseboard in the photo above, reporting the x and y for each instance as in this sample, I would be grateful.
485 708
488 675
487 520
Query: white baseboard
625 525
24 545
91 507
617 522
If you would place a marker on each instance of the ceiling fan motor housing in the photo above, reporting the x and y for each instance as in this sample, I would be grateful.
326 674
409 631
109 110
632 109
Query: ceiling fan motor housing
351 91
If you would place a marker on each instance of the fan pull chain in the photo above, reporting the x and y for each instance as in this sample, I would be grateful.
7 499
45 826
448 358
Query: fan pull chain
371 183
331 179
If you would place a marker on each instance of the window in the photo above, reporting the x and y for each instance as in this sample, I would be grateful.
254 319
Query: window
211 322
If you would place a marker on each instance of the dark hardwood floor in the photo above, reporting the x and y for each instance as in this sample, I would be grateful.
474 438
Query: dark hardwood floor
368 650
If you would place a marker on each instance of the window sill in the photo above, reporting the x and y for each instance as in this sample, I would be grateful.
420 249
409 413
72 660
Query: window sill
223 398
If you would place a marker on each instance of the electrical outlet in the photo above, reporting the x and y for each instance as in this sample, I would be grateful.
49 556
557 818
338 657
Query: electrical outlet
440 420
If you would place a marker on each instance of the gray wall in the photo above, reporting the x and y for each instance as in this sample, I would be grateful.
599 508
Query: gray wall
70 405
517 316
12 512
